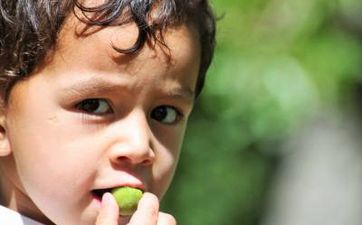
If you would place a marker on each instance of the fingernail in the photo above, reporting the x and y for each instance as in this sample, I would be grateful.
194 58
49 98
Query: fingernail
106 198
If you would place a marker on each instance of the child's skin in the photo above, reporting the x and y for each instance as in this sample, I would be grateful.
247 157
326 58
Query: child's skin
56 145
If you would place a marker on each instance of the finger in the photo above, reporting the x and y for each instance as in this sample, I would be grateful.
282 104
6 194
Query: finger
166 219
147 211
109 213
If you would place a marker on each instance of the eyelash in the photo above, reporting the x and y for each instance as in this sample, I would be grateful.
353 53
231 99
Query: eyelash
176 117
86 107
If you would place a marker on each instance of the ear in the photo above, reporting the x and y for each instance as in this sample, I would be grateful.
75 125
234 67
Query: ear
4 141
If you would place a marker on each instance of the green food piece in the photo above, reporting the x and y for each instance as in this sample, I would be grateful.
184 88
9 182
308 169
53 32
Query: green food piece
127 199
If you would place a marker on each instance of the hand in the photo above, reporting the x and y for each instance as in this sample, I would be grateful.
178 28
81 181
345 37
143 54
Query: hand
147 212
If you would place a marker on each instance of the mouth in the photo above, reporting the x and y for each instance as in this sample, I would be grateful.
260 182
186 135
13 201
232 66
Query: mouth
98 193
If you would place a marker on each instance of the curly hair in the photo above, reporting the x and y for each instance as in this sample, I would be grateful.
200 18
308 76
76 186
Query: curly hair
29 29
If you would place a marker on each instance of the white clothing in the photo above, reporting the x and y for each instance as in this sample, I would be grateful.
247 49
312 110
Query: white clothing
10 217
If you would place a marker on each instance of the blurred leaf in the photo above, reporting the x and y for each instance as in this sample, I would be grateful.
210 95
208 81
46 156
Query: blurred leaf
277 62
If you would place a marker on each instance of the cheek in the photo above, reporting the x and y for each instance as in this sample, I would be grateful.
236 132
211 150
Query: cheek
52 154
45 162
49 159
168 150
170 138
54 169
162 172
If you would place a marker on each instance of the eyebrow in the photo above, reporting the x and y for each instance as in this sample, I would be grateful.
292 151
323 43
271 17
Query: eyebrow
182 93
95 85
92 85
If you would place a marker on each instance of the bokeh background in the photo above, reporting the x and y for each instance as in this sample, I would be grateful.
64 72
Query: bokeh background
278 65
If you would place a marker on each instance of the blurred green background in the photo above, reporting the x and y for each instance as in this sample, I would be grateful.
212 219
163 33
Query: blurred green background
277 63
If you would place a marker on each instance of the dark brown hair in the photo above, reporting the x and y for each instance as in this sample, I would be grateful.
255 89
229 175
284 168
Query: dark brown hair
29 29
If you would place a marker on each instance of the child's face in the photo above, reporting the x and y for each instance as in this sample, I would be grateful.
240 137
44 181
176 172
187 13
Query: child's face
92 119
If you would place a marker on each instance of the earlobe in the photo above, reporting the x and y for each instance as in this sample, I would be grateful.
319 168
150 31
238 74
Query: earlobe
4 141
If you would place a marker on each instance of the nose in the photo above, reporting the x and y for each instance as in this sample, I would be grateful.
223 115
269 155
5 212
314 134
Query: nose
133 141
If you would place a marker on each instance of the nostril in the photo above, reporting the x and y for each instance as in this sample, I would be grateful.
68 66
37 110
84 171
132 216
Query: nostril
147 162
123 158
132 160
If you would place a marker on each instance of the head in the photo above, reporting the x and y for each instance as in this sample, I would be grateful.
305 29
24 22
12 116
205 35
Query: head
94 95
29 29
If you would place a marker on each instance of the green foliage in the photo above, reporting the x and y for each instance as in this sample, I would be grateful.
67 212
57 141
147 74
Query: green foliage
277 62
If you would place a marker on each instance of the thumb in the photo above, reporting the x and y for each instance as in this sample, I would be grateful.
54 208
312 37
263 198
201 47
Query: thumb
108 214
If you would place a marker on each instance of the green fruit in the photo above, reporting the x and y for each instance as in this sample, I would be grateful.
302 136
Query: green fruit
127 199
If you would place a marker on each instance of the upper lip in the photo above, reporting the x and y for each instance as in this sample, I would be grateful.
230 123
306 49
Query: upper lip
138 186
134 182
100 191
122 178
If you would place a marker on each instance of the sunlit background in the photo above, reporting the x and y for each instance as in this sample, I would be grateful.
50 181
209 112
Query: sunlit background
274 137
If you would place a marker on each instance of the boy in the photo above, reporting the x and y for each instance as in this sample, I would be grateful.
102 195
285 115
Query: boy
95 95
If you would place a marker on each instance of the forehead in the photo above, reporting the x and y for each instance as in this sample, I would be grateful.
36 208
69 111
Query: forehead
77 40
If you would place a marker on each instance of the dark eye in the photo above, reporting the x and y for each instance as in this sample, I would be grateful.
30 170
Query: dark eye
165 114
94 106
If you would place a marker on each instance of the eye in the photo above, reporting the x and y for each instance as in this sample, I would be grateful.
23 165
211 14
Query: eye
94 106
166 114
